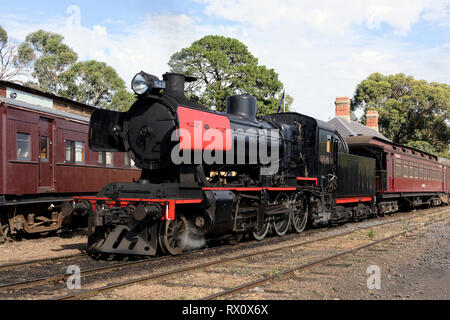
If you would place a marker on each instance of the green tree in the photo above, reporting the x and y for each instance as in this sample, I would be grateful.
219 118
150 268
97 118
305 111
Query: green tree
410 111
52 58
97 84
15 60
223 67
122 100
56 70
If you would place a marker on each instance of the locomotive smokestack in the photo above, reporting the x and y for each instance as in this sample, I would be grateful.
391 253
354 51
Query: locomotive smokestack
175 84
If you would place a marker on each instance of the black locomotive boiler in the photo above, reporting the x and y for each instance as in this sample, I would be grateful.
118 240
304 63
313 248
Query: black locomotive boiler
210 175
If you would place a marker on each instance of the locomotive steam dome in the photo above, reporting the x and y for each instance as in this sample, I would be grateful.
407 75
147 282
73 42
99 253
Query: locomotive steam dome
243 106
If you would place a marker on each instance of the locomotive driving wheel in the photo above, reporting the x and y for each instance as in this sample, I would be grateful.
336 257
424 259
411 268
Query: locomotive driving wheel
261 234
281 222
173 235
299 213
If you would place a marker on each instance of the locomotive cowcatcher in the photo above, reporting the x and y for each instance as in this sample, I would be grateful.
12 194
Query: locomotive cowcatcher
239 174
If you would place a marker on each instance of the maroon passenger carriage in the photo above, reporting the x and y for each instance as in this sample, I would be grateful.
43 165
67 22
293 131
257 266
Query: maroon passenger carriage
404 176
45 161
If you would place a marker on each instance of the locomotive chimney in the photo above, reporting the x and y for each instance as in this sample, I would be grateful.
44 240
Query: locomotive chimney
343 108
372 119
174 84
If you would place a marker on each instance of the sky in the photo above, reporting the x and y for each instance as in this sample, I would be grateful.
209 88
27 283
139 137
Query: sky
321 49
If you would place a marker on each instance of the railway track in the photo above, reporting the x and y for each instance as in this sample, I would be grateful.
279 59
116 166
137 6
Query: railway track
249 285
152 262
158 277
39 261
99 267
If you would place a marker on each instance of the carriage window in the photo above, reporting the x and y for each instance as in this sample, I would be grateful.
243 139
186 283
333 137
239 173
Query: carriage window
79 152
23 146
405 171
105 158
69 151
420 173
109 159
101 158
128 162
398 169
411 171
43 149
416 172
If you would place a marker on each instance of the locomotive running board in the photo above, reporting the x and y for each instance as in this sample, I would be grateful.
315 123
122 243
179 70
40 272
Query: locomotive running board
122 240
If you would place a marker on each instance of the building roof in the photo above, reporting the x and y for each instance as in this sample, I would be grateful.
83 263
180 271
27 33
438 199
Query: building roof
352 128
372 140
34 107
18 86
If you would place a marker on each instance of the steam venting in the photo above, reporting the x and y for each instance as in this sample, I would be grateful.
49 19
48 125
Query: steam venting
193 243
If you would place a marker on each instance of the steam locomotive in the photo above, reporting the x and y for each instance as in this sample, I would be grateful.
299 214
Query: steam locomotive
213 175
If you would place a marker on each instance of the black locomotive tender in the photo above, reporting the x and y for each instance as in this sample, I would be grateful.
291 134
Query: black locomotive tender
317 180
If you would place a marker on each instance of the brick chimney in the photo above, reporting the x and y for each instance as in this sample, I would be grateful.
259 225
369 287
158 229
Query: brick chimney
372 119
343 108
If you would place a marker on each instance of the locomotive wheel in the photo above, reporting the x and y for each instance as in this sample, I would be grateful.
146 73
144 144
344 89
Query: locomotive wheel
261 234
173 235
282 222
299 214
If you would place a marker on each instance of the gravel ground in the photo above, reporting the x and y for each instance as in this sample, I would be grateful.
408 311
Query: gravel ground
43 247
412 267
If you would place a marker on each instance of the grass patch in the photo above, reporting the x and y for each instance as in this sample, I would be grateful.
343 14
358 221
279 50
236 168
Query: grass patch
371 234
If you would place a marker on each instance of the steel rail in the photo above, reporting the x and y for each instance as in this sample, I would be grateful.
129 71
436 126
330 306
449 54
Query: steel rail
162 275
31 262
255 283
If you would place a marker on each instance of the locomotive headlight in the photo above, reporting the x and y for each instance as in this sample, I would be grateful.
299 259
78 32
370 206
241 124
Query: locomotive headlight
139 84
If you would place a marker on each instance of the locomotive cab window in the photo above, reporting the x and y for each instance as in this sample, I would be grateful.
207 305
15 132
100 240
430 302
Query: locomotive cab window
328 144
23 142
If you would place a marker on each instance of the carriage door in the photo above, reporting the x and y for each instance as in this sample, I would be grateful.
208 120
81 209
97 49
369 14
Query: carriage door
45 154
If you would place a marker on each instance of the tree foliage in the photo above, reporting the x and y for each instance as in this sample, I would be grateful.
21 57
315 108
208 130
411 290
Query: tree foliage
410 111
52 59
94 83
56 70
15 60
223 67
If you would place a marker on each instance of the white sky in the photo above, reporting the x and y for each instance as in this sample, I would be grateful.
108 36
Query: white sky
321 49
